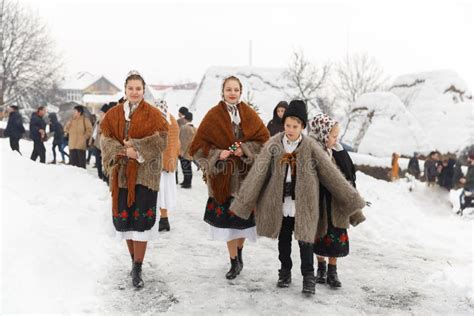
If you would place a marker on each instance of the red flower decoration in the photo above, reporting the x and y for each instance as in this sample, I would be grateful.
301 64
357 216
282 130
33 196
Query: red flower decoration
211 206
232 214
149 213
327 240
136 214
219 211
343 238
124 214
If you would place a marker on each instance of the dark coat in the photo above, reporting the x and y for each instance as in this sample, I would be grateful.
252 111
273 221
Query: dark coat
275 125
56 128
346 166
414 167
15 127
469 185
431 171
445 178
36 123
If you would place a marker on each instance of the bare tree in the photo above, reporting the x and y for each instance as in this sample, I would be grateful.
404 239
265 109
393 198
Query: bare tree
249 100
307 80
29 66
355 75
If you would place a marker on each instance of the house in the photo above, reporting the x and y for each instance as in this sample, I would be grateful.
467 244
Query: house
89 90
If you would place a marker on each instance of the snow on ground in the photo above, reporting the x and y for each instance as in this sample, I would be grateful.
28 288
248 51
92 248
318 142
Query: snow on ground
412 255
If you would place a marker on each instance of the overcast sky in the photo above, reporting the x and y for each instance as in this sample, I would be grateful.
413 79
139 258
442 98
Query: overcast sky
173 41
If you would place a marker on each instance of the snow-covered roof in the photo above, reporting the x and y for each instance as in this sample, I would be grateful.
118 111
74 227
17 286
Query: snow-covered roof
442 102
101 98
383 125
265 87
78 81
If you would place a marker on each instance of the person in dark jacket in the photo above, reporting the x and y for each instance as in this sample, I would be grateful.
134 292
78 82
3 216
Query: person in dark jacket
468 180
38 134
15 128
275 125
58 141
431 169
445 178
414 166
457 175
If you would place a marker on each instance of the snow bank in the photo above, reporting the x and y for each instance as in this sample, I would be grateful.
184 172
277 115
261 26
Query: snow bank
411 255
52 235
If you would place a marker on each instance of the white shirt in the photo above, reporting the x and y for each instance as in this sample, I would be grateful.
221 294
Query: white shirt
126 110
289 208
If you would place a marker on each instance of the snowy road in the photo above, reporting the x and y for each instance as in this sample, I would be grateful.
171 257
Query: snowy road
412 255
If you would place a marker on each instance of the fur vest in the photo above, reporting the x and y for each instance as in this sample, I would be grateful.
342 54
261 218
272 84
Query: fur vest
263 189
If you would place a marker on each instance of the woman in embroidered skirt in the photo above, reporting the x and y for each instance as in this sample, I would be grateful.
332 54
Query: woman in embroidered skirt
332 240
225 145
134 135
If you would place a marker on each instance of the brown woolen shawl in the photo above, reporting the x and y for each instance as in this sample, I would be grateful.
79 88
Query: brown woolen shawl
145 121
215 131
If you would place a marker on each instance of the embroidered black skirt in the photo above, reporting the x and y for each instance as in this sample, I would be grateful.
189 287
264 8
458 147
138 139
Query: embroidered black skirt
219 215
141 216
336 242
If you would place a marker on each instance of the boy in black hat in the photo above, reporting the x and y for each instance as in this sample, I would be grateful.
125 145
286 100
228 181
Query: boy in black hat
283 186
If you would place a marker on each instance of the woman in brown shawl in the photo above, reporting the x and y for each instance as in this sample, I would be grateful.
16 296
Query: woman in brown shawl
134 135
225 145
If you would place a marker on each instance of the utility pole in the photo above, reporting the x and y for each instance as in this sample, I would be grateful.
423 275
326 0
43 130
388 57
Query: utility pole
250 53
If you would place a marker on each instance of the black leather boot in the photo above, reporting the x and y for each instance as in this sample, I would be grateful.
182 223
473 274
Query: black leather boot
332 278
309 284
137 275
284 278
321 273
239 256
235 269
164 224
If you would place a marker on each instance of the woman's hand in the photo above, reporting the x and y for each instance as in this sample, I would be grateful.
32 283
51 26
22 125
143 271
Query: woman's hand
239 152
225 154
127 143
132 153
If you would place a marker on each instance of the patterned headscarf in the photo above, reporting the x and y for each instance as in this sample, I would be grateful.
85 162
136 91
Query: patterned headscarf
320 126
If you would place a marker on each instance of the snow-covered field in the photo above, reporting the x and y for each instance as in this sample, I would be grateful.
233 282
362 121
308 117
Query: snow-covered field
412 255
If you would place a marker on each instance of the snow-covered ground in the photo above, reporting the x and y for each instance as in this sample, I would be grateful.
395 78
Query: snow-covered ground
412 255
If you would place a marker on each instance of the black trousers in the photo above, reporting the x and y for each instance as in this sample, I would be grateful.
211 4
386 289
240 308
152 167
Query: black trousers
98 159
187 171
15 144
77 157
38 151
284 249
